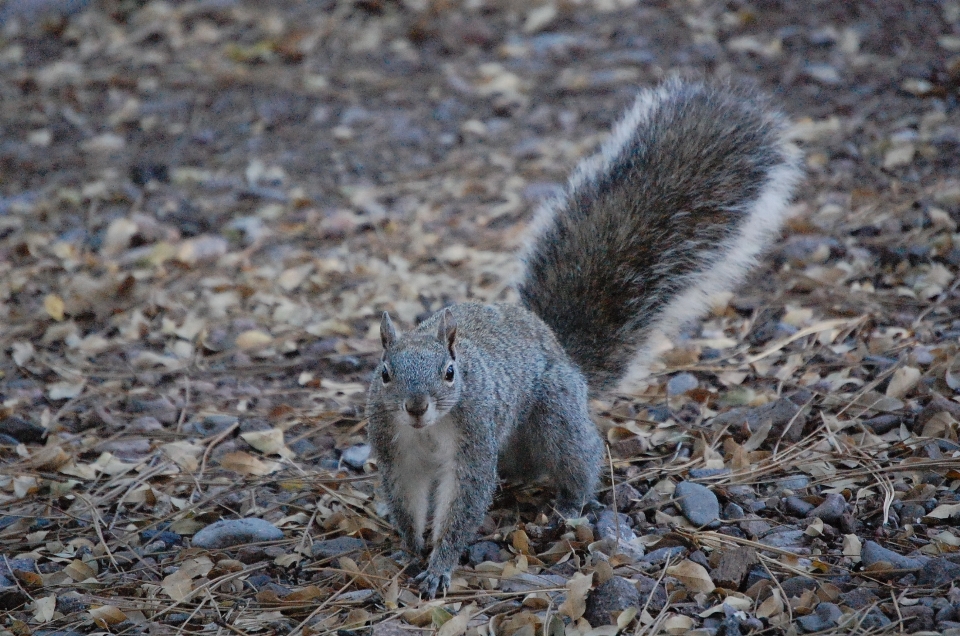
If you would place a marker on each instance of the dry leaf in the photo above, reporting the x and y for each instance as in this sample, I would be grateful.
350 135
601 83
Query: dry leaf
944 511
253 339
247 464
576 602
458 624
693 575
269 442
44 607
678 624
107 615
903 380
772 606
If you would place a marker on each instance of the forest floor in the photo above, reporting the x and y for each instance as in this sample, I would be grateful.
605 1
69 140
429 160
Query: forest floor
205 206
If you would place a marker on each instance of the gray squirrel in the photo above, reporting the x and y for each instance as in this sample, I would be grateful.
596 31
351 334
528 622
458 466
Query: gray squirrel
692 185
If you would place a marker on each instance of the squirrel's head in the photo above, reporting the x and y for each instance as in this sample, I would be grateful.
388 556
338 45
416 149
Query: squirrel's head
417 381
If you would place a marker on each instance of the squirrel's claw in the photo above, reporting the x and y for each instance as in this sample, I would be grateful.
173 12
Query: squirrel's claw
431 583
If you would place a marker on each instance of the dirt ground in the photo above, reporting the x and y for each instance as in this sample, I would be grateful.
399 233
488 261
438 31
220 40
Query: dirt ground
205 206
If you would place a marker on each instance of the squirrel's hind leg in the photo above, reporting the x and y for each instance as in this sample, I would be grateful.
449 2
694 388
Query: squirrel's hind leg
563 442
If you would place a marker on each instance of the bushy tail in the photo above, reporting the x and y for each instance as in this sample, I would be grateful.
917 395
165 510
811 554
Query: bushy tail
691 187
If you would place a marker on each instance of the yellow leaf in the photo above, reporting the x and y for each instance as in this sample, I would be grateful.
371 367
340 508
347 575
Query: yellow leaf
54 306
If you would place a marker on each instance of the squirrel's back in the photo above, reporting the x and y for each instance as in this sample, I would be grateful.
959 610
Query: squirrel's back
692 185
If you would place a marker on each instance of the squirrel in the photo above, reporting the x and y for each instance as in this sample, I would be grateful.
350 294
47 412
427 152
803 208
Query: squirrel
692 185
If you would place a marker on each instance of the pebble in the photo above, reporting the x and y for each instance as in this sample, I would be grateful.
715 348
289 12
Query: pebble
917 618
831 510
826 616
872 552
661 555
858 598
779 413
794 482
651 592
732 512
875 620
797 585
797 506
938 572
681 383
356 456
607 525
784 538
483 551
337 547
701 473
214 424
615 595
230 532
698 503
21 430
883 423
626 497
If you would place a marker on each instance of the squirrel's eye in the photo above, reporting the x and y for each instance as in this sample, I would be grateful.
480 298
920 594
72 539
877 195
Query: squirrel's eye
448 375
384 374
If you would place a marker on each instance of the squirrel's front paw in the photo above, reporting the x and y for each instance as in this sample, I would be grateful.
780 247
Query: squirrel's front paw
432 582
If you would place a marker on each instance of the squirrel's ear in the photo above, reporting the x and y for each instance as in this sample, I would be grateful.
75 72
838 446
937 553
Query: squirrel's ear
388 333
447 331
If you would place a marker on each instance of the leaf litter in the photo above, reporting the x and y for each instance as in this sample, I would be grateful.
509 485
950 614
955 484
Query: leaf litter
205 206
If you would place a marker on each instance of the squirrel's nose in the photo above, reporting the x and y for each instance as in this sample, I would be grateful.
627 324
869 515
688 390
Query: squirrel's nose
416 405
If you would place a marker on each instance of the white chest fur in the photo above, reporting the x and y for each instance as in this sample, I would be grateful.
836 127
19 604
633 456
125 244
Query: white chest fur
426 472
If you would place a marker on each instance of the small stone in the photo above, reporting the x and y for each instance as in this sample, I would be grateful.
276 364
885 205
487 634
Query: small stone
917 618
681 383
230 532
883 423
607 526
938 572
781 414
661 555
794 482
875 620
698 503
872 552
825 616
732 512
797 507
214 424
858 598
701 473
337 547
22 430
626 497
797 585
735 564
651 592
784 538
831 510
615 595
483 551
356 456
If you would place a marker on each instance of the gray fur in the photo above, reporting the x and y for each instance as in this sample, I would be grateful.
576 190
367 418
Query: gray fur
692 185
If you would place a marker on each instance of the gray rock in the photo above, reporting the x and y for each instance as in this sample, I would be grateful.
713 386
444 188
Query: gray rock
608 523
229 532
831 510
615 595
661 555
337 547
732 512
797 506
626 497
356 456
780 414
938 572
784 538
826 616
21 430
681 383
698 503
872 552
859 597
651 591
700 473
483 551
883 423
214 424
794 482
875 620
917 618
797 585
